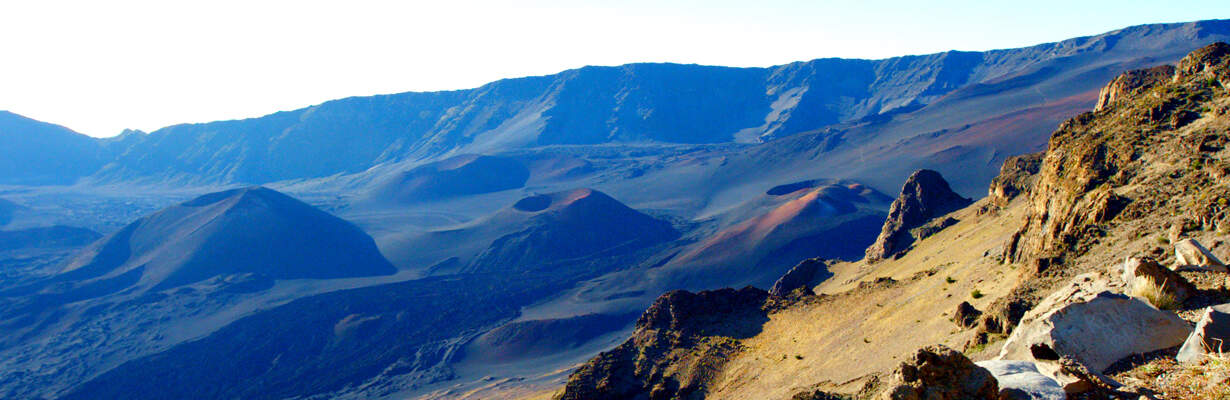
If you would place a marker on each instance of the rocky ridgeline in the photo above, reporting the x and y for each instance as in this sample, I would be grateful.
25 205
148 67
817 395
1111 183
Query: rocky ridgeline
924 196
1015 177
675 348
1151 156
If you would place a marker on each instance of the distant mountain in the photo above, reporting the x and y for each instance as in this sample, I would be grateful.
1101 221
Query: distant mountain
813 210
457 176
39 153
402 335
571 226
635 103
254 232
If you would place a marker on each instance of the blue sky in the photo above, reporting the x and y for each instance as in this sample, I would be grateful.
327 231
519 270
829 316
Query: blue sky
99 67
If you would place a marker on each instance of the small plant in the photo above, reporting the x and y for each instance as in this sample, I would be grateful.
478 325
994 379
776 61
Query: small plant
977 294
1195 165
1155 294
949 280
798 356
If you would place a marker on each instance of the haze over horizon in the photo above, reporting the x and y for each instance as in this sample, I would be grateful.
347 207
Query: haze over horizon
146 65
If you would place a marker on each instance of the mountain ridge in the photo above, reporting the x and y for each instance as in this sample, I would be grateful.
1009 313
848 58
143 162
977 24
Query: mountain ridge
589 105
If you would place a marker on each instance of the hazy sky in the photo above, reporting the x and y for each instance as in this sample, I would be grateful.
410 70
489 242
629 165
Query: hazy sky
101 66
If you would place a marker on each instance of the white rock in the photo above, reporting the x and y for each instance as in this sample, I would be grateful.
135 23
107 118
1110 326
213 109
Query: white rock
1189 254
1212 334
1025 377
1094 326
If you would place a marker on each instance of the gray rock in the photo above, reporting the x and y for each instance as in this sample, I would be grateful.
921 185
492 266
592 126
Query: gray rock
1022 377
1212 335
1093 326
1189 254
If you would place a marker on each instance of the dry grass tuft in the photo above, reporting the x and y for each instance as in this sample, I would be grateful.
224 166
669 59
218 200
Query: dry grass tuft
1209 379
1156 294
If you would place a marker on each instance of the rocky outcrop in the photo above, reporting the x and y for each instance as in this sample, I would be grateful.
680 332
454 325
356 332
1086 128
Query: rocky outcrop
966 316
1022 380
1093 326
799 277
1131 83
940 373
1190 254
1212 335
680 341
1211 60
1140 273
1098 165
1015 177
924 196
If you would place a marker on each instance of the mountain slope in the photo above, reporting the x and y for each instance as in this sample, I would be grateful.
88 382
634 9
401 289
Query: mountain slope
1113 183
253 232
457 176
38 153
569 227
663 103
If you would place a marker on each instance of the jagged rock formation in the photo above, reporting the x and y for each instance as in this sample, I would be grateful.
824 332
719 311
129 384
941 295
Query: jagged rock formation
1153 158
799 277
924 196
1211 336
679 342
940 373
1015 177
1131 83
1096 152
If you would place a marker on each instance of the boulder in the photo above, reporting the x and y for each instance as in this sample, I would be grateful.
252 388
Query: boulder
1189 254
1094 327
925 195
798 277
966 316
940 373
1212 335
1022 380
1137 273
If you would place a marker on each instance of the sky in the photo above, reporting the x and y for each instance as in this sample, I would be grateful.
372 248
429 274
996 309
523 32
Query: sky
100 67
